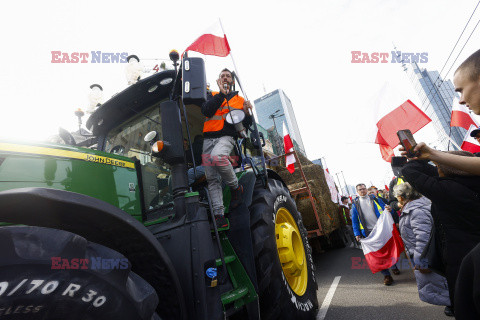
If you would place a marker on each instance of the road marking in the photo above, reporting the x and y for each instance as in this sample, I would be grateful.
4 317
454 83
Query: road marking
328 298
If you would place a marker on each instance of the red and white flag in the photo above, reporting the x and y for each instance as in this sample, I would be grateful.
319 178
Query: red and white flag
470 143
213 42
383 246
380 117
461 117
331 186
288 147
406 116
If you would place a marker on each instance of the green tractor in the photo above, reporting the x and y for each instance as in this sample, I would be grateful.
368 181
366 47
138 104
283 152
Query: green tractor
106 228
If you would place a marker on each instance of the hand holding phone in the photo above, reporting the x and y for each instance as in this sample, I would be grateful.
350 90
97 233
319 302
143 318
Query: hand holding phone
407 141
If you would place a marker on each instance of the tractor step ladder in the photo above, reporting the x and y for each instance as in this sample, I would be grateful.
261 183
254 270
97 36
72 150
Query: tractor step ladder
306 189
243 290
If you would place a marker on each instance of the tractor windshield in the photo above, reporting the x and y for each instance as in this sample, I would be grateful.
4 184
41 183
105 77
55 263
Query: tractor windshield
128 140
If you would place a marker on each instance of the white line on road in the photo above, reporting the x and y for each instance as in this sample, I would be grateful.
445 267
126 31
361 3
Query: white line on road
328 298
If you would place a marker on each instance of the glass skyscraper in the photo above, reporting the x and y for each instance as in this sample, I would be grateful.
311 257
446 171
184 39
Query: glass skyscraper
278 104
437 97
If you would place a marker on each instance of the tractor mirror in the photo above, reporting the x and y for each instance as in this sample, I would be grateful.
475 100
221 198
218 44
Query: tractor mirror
194 81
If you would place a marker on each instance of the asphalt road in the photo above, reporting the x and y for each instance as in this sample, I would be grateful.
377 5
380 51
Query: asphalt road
362 295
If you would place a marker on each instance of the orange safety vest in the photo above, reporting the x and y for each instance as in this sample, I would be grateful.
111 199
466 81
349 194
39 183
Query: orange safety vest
217 121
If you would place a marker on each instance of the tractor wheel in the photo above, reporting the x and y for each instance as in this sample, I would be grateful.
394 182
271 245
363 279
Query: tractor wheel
283 258
54 274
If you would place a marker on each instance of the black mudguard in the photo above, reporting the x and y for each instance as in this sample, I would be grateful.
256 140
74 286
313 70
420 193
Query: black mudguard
273 175
102 223
248 182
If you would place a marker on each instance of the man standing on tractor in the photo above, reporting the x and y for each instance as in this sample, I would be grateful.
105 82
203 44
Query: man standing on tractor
219 141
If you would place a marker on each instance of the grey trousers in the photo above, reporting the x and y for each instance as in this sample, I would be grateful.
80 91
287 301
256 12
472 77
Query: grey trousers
348 234
215 159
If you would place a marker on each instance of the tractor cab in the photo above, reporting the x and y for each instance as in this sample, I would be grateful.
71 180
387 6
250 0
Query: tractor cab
131 121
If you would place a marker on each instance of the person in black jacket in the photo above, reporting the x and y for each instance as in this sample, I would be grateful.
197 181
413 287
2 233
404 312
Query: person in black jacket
455 210
467 292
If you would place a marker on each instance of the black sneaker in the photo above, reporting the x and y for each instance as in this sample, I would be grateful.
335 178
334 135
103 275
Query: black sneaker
221 221
449 311
237 196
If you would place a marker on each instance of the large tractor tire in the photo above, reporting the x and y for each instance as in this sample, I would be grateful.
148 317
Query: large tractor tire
285 270
44 274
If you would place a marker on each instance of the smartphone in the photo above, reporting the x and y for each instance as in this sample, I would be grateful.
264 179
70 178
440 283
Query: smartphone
407 141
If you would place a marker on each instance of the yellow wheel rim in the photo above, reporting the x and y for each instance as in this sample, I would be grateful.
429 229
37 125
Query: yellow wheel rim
291 251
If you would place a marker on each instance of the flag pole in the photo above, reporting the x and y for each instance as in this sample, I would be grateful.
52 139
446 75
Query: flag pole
256 132
445 135
449 134
234 64
345 182
339 185
409 261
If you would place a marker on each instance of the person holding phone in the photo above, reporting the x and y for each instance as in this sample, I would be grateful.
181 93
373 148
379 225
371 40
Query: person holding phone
219 141
467 82
455 197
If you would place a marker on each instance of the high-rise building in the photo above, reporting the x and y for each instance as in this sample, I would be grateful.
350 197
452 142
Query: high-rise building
437 97
272 110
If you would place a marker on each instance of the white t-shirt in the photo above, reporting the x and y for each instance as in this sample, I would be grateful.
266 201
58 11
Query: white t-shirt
366 204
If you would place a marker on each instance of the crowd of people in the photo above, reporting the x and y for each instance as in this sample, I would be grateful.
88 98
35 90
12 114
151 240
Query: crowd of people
415 223
435 201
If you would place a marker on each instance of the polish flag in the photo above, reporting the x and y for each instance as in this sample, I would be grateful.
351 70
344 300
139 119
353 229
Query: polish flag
383 246
381 116
213 42
405 116
469 143
387 152
331 186
288 147
461 116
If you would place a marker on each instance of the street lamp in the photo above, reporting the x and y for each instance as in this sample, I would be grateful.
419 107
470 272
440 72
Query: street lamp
273 116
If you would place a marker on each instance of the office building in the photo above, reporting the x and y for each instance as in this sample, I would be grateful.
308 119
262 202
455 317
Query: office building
437 97
272 110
